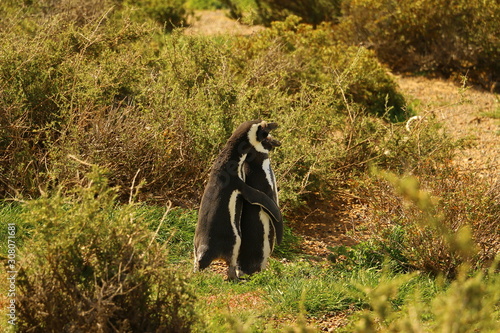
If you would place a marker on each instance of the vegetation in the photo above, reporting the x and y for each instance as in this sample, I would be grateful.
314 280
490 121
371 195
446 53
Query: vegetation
311 11
88 265
110 119
440 37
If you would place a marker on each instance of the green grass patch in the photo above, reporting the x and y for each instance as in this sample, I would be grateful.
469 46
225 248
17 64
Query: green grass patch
492 114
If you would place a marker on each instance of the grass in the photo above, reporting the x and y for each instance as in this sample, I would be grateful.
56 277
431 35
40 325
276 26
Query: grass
368 293
492 114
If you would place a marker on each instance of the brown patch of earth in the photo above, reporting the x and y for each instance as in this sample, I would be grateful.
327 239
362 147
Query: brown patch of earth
467 115
217 22
324 224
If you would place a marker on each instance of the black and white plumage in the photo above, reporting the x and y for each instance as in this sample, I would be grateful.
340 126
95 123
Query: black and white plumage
218 231
258 232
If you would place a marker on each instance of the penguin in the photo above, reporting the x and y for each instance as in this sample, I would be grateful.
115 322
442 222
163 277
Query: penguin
258 233
218 230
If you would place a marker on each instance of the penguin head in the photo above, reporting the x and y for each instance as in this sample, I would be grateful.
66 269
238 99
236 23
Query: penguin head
259 137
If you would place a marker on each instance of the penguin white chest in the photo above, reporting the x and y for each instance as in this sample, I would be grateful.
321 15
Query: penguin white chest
271 179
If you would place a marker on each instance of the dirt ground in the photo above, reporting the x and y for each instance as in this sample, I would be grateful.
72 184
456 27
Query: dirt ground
464 113
467 115
217 22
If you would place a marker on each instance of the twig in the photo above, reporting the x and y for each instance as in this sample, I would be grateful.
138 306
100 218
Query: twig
80 161
169 206
132 187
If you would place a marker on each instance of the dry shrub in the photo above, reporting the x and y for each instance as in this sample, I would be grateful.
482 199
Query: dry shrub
296 56
440 221
90 266
76 89
437 36
432 36
134 146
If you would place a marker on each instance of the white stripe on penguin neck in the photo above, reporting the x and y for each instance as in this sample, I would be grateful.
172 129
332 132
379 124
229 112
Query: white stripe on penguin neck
252 137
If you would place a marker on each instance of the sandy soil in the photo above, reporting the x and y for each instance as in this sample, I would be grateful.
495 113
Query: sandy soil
467 115
217 22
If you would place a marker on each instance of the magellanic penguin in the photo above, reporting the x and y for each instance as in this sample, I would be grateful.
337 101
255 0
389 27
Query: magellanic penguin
258 232
218 231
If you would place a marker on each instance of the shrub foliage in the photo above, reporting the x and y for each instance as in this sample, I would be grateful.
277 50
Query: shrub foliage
433 36
451 38
90 266
435 223
311 11
116 91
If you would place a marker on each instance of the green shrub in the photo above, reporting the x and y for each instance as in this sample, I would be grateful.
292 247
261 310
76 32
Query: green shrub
93 266
205 4
168 13
450 38
414 303
74 90
311 11
158 108
454 221
291 56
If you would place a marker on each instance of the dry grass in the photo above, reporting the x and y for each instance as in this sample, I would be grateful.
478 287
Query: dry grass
462 112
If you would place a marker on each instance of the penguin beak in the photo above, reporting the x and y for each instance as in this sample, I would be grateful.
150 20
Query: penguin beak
270 140
273 142
271 126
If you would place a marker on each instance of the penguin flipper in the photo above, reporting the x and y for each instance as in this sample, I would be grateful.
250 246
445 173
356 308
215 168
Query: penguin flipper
256 197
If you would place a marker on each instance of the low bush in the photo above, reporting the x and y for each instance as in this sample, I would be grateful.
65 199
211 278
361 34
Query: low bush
92 266
452 39
415 303
169 14
311 11
433 36
156 107
441 221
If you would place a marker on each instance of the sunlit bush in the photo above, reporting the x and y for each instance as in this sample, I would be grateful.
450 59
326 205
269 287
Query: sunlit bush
157 107
441 222
311 11
92 266
434 36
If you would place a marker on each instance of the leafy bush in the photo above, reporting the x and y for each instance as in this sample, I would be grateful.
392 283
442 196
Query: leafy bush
311 11
157 108
432 36
151 107
451 38
168 13
300 57
77 95
93 266
413 303
454 221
